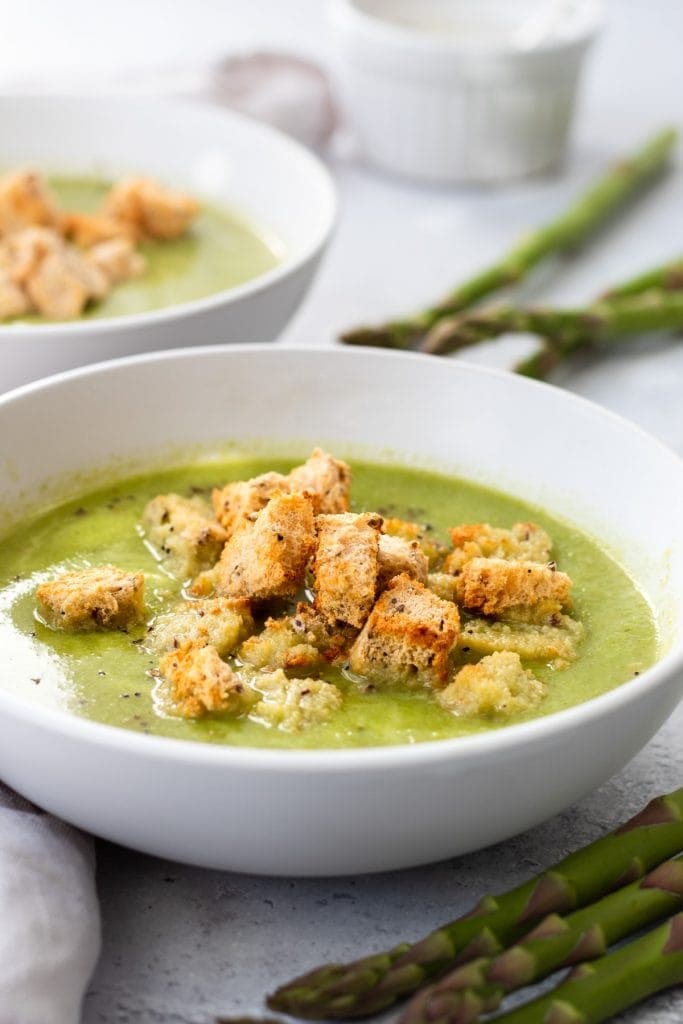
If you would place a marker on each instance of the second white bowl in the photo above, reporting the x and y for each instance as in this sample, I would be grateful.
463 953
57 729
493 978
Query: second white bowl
212 152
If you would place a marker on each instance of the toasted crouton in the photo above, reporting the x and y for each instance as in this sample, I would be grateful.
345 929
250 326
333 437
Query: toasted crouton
268 556
196 682
279 646
408 637
13 299
554 643
295 704
346 566
22 251
103 597
25 201
414 531
150 209
89 229
497 685
237 501
217 622
63 282
493 585
183 533
325 479
117 259
397 556
522 542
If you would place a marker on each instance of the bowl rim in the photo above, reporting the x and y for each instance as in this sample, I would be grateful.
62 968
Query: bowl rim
390 35
183 310
326 759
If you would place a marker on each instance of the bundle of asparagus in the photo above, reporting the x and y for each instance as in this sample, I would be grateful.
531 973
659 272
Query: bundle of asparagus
606 891
645 303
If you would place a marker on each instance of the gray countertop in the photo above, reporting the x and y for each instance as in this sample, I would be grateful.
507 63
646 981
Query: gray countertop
182 944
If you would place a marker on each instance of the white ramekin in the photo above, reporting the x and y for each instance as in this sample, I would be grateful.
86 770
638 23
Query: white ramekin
431 105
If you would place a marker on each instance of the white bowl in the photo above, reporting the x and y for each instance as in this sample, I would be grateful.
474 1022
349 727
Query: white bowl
452 90
323 812
214 153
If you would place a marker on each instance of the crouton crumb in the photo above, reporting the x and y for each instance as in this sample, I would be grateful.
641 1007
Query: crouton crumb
496 685
216 622
295 704
522 542
326 480
397 556
187 539
279 646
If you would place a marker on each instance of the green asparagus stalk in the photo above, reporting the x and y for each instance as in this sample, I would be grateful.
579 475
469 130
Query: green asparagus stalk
596 991
564 329
575 225
667 276
373 983
479 987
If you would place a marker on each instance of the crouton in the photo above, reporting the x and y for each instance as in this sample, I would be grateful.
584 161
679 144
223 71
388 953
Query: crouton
279 646
62 283
443 585
216 622
117 259
497 685
90 229
408 637
237 501
397 556
195 681
494 585
25 201
183 533
325 479
522 542
268 556
103 597
149 209
346 566
406 530
13 299
295 704
22 251
556 643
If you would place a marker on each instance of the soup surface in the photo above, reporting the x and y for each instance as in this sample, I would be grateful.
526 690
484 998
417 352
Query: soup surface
221 250
105 675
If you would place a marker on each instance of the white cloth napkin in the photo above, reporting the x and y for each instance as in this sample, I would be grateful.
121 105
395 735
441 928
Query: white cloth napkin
49 915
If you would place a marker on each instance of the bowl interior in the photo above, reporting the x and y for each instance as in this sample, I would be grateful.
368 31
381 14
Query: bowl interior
215 153
570 457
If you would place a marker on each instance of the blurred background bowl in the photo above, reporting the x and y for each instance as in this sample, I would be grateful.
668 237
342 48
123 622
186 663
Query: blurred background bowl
216 154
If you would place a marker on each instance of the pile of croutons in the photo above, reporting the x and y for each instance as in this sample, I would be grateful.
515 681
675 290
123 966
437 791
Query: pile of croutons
55 262
283 582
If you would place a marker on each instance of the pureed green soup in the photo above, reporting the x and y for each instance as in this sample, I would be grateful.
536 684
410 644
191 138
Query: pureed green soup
220 250
105 675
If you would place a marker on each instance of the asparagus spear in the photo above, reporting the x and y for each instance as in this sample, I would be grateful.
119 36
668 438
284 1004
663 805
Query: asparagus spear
572 227
565 329
595 992
365 986
480 986
668 277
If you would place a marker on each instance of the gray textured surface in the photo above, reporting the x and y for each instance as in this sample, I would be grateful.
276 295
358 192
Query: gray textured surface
181 945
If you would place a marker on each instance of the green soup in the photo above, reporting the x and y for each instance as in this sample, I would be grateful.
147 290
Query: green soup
105 676
221 250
